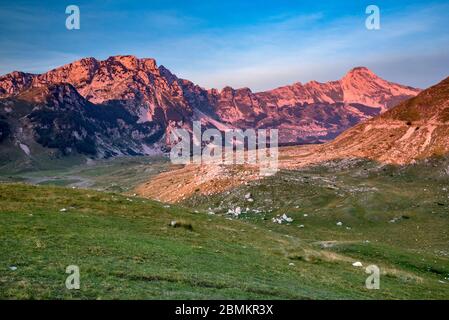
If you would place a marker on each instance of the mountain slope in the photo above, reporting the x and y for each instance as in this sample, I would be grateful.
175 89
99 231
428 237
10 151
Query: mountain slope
415 129
58 118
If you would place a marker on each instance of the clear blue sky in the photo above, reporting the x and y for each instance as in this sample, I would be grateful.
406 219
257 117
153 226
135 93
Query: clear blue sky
258 44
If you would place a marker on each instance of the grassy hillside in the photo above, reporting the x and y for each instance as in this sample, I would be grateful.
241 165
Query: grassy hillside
125 248
394 217
118 174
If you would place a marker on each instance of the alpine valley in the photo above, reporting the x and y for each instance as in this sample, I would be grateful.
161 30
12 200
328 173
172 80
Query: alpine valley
363 184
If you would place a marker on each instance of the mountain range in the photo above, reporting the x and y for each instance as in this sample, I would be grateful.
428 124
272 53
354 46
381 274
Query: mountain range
128 106
415 129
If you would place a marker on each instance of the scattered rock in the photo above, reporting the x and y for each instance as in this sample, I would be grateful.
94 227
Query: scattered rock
178 224
339 223
63 210
277 220
396 219
357 264
281 219
235 212
327 244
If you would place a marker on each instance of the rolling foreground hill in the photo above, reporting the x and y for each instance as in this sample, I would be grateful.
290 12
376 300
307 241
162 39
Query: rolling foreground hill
128 106
133 248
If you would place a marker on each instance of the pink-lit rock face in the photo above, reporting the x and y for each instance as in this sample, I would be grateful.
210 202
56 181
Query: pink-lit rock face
14 82
136 83
311 112
360 85
414 129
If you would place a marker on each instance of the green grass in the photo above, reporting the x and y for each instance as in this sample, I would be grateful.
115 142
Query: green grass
394 217
118 175
126 249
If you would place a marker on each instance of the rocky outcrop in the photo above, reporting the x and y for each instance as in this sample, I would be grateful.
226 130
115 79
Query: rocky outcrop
57 117
14 82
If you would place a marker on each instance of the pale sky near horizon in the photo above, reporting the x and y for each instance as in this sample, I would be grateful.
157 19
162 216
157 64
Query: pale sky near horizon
255 44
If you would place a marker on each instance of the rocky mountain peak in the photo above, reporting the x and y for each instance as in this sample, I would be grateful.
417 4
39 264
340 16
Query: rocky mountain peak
164 72
227 90
414 129
77 73
132 63
361 71
128 61
14 82
361 85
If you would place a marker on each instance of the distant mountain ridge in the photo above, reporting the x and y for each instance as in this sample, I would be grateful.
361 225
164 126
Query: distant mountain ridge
152 96
416 129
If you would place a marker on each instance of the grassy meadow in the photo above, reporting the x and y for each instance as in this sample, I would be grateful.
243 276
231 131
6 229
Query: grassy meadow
134 248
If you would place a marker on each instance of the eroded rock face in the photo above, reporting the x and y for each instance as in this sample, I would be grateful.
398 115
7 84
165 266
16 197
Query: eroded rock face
56 116
303 113
136 84
14 82
313 112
